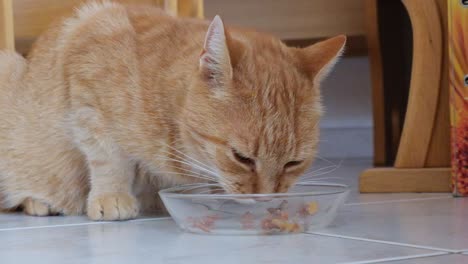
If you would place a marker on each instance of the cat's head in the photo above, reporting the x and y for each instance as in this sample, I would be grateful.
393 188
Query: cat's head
253 110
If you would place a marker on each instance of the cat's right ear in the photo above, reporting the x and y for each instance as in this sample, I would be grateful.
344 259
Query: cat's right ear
319 59
215 62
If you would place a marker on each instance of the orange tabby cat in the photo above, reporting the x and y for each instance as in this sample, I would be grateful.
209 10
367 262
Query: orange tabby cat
116 102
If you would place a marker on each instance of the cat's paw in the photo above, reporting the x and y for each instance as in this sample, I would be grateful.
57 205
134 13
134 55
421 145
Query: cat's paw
37 208
112 206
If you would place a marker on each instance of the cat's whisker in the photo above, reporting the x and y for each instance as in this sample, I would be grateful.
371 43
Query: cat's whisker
327 160
227 185
330 166
189 157
193 186
207 175
319 179
204 176
187 175
313 182
224 182
313 176
327 178
184 169
319 174
206 167
163 158
320 169
195 166
192 172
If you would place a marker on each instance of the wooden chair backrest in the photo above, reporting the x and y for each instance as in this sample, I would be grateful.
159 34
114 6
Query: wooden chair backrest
21 21
298 22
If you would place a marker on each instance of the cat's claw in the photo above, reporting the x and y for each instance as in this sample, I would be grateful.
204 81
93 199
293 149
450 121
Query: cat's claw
112 206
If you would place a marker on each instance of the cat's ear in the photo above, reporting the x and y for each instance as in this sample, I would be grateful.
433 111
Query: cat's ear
215 62
319 58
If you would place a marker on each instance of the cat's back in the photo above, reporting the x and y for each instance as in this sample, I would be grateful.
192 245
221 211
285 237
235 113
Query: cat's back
108 37
158 32
155 33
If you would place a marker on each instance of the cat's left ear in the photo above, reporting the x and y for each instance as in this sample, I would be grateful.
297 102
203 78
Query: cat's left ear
215 62
319 58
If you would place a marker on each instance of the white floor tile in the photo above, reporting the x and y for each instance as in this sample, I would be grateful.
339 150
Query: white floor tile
447 259
12 221
20 221
161 242
370 228
395 198
439 223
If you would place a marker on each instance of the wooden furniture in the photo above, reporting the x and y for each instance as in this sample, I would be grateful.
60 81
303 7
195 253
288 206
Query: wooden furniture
375 61
293 19
423 158
185 8
297 22
6 25
21 21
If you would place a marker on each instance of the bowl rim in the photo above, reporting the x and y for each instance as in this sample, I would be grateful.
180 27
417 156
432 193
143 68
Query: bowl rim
170 192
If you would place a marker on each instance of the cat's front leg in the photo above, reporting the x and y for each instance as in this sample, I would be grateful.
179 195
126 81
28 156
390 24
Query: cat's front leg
111 172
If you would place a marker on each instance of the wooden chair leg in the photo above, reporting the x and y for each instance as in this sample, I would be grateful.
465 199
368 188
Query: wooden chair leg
7 36
378 100
424 143
425 83
439 150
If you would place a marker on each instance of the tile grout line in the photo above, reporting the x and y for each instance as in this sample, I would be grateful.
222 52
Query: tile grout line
385 242
82 224
400 200
420 256
148 219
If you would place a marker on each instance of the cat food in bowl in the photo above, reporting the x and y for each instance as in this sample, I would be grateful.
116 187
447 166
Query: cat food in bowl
203 208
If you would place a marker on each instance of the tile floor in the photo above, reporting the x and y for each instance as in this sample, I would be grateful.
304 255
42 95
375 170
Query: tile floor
371 228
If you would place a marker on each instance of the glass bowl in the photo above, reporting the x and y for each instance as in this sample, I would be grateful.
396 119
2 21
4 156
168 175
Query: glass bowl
203 208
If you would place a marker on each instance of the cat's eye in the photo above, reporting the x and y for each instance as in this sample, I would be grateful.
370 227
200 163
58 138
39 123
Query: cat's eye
292 164
243 159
